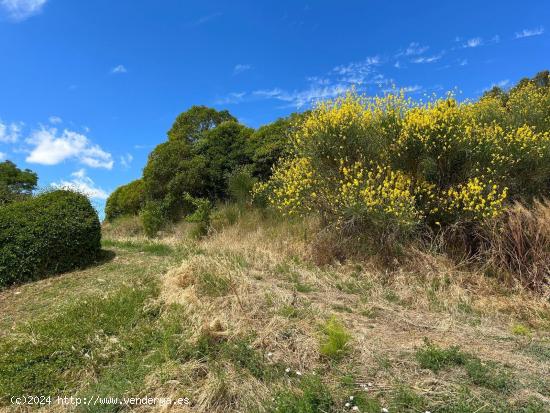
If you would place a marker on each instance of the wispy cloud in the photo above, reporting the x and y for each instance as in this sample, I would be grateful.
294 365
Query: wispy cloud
241 68
411 89
51 148
473 42
9 133
529 32
427 59
119 69
357 73
126 160
301 98
19 10
204 19
54 120
3 156
82 183
479 41
231 98
415 49
501 84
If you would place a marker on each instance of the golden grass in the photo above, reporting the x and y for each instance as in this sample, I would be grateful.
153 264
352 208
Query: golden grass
277 294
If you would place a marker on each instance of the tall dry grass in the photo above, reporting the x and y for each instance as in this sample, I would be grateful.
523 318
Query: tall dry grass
519 244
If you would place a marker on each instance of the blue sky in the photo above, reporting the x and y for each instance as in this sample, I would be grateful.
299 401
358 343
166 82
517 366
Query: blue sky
87 89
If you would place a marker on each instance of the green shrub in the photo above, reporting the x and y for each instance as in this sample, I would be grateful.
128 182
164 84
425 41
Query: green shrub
240 183
201 215
53 232
386 166
153 218
125 200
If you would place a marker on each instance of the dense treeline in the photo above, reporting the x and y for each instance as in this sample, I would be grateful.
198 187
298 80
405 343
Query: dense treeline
210 156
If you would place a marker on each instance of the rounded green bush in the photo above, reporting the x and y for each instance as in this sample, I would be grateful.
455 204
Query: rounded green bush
50 233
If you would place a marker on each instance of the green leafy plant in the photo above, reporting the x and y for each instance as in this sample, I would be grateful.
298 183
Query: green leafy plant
50 233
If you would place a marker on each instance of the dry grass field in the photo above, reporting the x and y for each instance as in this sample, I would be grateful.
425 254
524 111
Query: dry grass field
244 320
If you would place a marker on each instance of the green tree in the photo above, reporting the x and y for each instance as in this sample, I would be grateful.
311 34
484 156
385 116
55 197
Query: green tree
270 142
125 200
223 149
15 183
189 125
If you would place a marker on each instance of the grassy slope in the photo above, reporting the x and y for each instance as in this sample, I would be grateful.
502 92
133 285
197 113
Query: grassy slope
242 321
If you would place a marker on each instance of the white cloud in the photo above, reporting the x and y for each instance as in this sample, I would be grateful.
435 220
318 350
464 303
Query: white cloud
9 133
119 69
426 59
54 120
463 62
83 184
301 98
357 72
411 89
126 160
3 156
474 42
231 98
529 32
241 68
204 19
334 83
19 10
51 148
415 49
501 84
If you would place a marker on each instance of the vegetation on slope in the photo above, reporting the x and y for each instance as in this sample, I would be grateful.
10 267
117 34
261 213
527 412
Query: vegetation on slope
242 320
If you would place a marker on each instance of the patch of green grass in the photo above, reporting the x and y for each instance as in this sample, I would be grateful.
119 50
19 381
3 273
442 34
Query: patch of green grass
485 374
435 358
539 350
309 396
106 339
302 287
289 311
334 343
239 352
520 330
211 284
153 248
488 375
392 297
405 400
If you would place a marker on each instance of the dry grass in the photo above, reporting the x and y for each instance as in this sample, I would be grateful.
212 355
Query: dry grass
252 302
519 243
276 294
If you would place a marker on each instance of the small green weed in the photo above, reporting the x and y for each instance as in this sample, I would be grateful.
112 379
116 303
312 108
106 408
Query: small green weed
334 344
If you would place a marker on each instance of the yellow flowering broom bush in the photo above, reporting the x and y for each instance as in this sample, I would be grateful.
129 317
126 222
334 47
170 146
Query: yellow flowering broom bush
366 164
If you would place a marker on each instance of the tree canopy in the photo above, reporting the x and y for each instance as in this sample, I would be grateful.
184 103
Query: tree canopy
15 183
198 119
